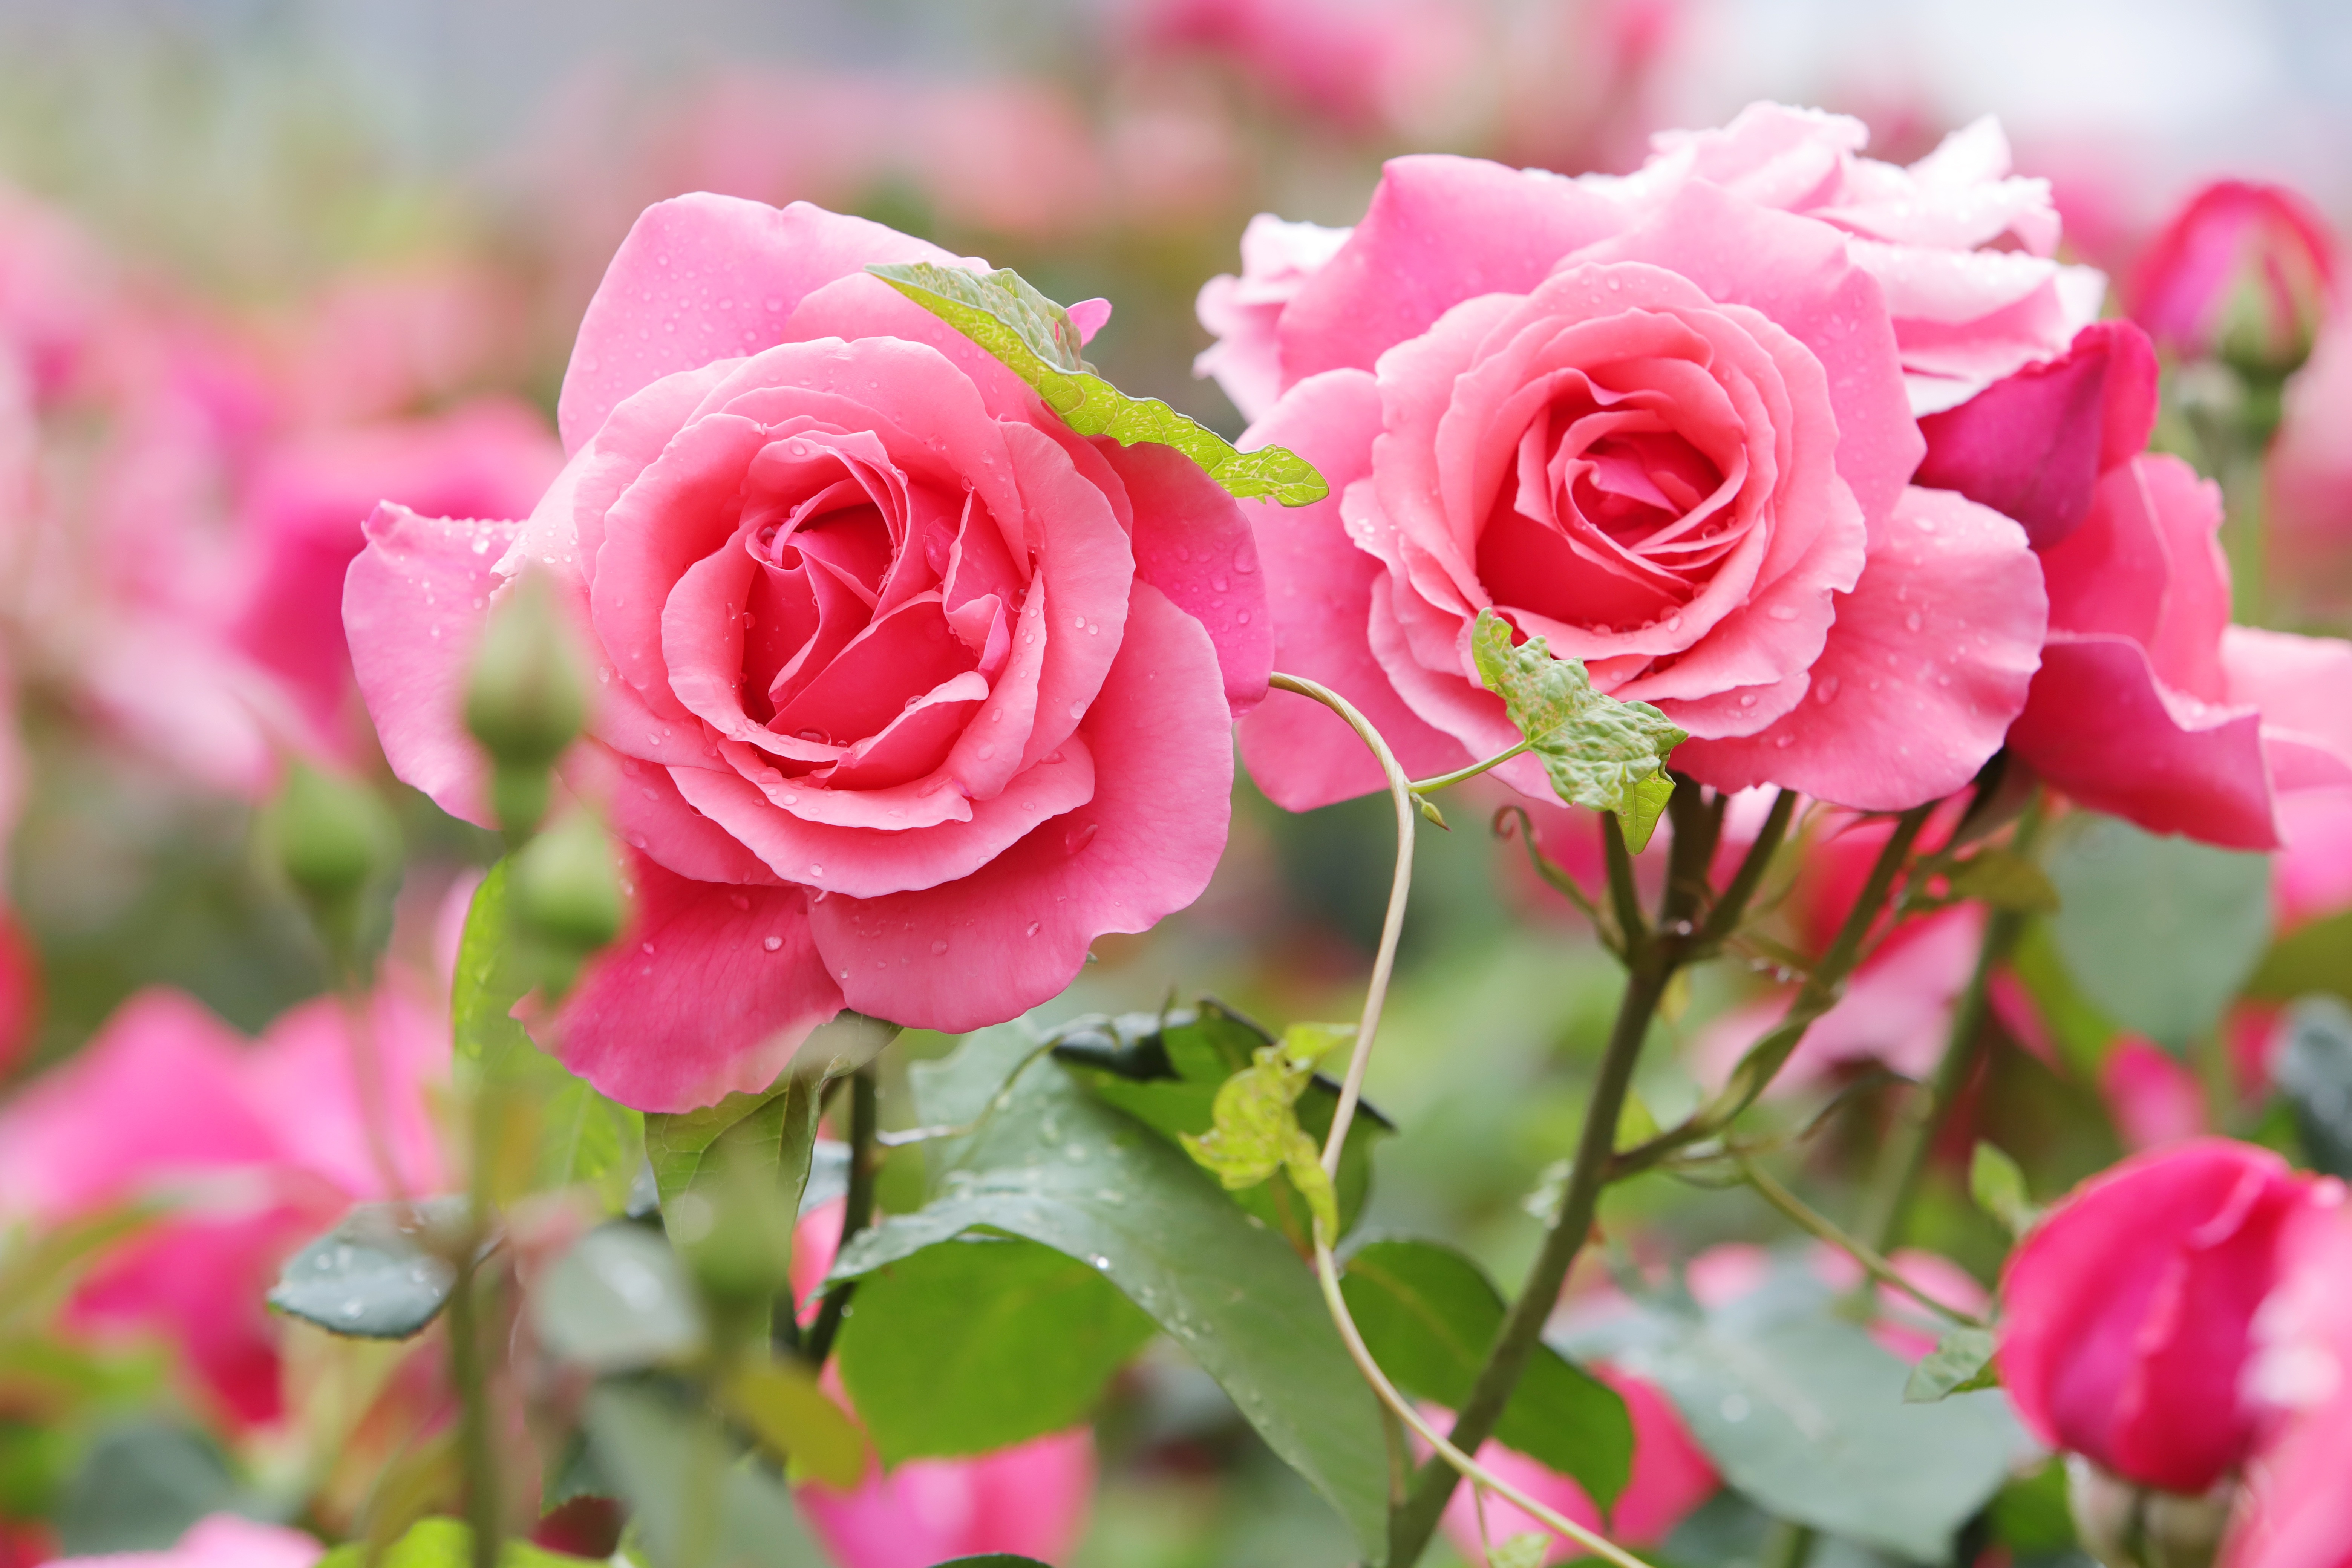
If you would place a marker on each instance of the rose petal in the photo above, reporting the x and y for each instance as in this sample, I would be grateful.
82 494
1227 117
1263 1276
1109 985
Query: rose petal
1929 659
708 992
1192 543
703 278
414 605
1301 753
1015 932
2304 688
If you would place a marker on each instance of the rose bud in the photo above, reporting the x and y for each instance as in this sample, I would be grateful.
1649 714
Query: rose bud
2242 273
567 898
2127 1312
526 701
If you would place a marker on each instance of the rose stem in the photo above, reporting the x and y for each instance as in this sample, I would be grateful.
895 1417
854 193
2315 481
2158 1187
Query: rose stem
857 1213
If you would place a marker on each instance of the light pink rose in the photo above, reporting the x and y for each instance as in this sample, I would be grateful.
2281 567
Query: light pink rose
2307 516
1675 445
1670 1475
253 1148
1030 1501
2312 876
904 693
218 1540
2152 1098
2149 704
1961 247
1246 313
52 289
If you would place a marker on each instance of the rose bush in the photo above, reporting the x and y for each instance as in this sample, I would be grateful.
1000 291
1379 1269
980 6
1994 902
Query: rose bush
1665 424
2127 1313
905 694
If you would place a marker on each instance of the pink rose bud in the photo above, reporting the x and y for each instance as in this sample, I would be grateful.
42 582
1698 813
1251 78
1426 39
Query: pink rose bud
2241 273
2128 1311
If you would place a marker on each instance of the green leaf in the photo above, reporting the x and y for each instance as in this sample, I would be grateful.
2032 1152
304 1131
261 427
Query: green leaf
1600 752
1961 1363
1430 1315
1033 335
2159 933
1165 1068
445 1543
1253 1128
1997 1186
995 1560
583 1136
619 1300
2005 880
2083 1034
140 1486
1524 1551
1057 1167
383 1274
2314 958
763 1129
2315 1072
794 1420
694 1502
980 1343
2031 1515
1803 1413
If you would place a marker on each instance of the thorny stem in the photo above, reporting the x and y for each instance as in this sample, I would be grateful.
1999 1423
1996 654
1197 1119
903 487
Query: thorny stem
1905 1157
1816 997
1873 1262
1651 959
858 1209
1351 1093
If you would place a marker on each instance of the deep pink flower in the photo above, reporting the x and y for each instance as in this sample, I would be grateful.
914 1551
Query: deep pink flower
1673 438
2298 1510
20 990
2126 1312
218 1540
1671 1475
252 1150
905 693
2149 704
2242 271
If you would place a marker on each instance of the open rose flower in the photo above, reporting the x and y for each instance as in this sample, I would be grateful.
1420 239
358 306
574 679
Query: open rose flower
903 692
1671 437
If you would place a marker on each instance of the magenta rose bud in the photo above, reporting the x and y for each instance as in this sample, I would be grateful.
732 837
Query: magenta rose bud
903 692
2127 1313
1667 427
2242 272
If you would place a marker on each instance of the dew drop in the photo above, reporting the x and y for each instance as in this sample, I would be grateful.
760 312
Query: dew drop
1781 613
938 947
771 942
1911 620
1827 690
1747 700
815 870
1035 926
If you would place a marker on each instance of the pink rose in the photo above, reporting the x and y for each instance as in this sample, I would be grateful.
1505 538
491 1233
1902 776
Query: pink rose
2152 1098
2297 1511
1961 247
2127 1312
254 1148
218 1540
1246 313
2149 705
1671 1475
905 693
2241 272
2307 510
1673 442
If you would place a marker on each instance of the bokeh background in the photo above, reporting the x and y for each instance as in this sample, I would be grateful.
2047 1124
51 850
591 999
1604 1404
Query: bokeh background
386 213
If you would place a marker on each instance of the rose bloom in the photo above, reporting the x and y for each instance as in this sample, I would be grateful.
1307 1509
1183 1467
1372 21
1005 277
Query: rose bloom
903 692
251 1149
1666 423
2298 1510
2127 1313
